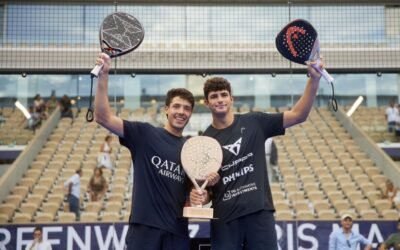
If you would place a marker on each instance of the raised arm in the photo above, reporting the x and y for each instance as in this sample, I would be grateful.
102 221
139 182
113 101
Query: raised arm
102 111
302 108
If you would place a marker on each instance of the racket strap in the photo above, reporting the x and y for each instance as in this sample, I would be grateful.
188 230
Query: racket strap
89 113
334 102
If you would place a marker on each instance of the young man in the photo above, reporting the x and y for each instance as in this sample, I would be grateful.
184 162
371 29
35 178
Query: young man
38 243
242 200
74 192
344 238
160 184
393 240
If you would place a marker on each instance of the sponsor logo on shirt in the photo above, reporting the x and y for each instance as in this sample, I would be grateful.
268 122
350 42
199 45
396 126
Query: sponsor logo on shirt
236 162
235 147
168 169
239 191
235 175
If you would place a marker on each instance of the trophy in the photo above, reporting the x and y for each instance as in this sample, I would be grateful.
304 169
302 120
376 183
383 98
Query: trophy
200 156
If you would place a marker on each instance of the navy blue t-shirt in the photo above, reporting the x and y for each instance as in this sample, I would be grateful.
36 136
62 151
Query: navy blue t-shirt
244 187
160 184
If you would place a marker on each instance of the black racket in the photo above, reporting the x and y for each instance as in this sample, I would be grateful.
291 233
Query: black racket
120 33
298 42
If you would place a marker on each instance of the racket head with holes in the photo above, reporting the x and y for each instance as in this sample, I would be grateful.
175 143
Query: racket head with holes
200 156
298 41
120 33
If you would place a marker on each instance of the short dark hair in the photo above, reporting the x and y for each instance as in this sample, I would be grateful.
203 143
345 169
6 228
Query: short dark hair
216 84
180 92
37 229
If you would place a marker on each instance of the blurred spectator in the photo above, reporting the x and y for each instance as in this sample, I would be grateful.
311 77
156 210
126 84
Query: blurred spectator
31 121
52 103
393 241
74 191
38 243
35 120
271 156
66 107
345 238
391 193
97 186
391 115
38 104
104 158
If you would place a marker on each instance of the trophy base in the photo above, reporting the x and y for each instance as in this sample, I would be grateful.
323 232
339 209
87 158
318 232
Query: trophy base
198 212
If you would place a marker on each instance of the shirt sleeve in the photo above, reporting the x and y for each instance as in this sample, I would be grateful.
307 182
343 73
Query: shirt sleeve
67 182
134 134
49 246
364 240
28 246
332 241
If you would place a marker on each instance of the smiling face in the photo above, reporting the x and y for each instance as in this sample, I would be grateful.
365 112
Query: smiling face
178 114
218 96
219 102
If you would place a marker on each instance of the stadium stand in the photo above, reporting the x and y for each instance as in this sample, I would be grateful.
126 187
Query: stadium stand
322 173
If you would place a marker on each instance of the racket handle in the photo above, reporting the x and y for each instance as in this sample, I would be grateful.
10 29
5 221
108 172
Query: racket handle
204 185
95 71
324 73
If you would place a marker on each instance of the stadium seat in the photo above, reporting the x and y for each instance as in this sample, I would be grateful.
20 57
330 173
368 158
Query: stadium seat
13 200
369 214
304 215
20 190
284 215
328 214
93 206
66 217
382 204
390 214
7 210
44 217
22 218
89 217
51 207
28 208
110 216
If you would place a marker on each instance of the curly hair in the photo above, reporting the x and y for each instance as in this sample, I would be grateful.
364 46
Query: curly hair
216 84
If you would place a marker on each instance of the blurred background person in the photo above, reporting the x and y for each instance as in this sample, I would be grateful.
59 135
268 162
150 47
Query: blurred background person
97 186
104 158
74 191
66 107
345 238
391 193
393 241
391 115
38 243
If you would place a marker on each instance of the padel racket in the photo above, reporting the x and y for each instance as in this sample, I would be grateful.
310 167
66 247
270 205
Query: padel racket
298 42
120 33
200 156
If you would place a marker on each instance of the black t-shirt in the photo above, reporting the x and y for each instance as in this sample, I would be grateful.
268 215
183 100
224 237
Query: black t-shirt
243 187
160 184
